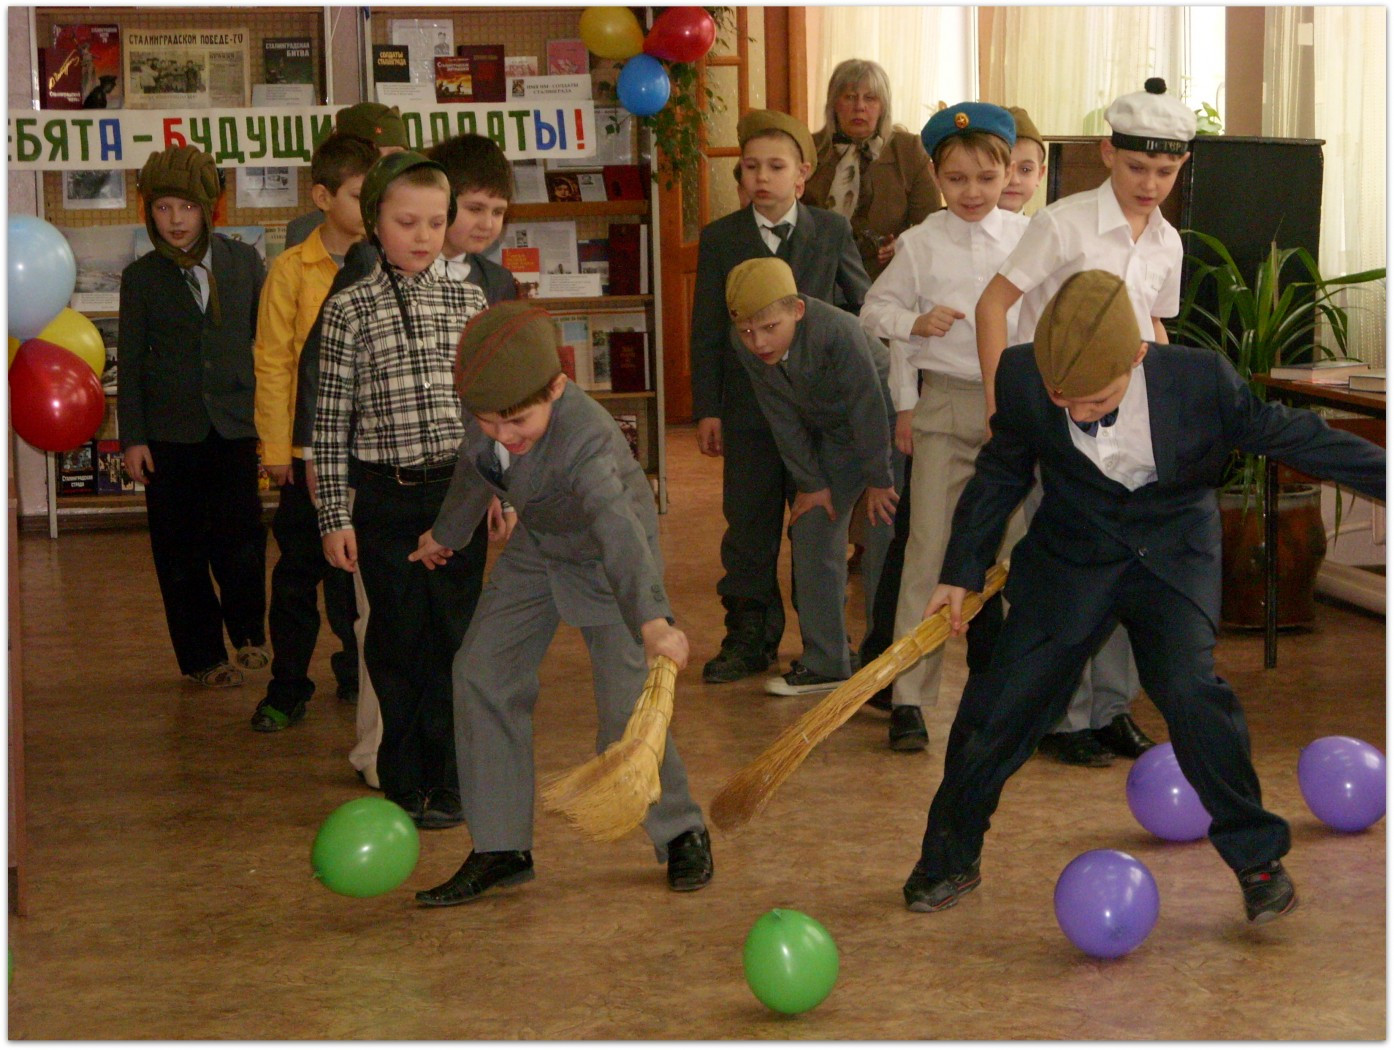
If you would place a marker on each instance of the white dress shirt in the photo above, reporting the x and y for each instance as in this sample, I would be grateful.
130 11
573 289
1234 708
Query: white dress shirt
771 240
1123 451
1088 231
459 268
943 261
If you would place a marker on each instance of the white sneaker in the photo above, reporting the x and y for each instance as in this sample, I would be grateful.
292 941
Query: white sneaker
800 681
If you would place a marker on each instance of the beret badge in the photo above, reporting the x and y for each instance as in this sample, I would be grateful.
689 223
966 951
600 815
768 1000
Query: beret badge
960 120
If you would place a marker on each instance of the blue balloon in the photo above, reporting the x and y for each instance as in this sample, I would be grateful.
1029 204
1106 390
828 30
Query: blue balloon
1163 800
643 86
1342 780
42 275
1106 903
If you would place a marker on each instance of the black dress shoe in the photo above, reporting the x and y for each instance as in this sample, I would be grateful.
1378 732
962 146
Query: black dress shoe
480 872
690 861
1268 892
442 810
907 731
414 802
1080 748
1123 737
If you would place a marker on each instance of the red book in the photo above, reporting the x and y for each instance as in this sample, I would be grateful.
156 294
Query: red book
623 182
624 258
60 79
454 82
567 356
628 361
98 50
486 70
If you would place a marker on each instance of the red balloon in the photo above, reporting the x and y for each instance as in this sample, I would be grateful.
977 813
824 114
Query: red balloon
56 401
681 34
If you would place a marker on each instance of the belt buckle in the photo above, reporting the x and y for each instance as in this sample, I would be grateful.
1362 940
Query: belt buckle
397 476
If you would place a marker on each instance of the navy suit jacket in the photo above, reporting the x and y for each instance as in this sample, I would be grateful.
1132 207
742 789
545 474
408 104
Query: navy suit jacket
826 266
1090 529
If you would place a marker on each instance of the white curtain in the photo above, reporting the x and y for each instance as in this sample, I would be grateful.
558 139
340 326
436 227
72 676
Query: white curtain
1349 113
929 54
1066 64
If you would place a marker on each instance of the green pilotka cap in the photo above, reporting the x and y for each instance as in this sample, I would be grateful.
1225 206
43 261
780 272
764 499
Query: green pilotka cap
506 354
1087 335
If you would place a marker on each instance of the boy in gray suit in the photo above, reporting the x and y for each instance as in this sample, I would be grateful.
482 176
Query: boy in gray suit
584 550
821 384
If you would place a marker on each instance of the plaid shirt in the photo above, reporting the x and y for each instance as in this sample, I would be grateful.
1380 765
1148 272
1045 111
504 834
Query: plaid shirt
384 397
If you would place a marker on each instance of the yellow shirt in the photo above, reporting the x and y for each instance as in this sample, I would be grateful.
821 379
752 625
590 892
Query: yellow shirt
290 300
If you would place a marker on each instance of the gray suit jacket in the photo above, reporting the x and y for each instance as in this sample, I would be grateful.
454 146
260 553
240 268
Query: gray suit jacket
830 390
180 374
826 266
584 506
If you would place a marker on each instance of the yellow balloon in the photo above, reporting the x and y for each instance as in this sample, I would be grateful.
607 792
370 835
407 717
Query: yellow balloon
611 32
74 332
14 348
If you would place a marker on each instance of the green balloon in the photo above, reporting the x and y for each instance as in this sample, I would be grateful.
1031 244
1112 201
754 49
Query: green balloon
790 961
365 848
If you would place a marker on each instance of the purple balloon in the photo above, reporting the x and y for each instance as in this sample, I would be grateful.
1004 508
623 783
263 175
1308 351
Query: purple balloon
1342 779
1106 903
1163 800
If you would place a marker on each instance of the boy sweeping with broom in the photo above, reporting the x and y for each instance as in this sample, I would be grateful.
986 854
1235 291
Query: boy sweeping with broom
585 550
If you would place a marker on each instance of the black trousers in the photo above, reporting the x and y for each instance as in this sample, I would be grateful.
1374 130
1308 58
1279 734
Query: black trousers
418 620
755 487
205 516
1006 710
294 616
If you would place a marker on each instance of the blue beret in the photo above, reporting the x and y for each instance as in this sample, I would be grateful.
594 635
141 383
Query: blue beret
968 116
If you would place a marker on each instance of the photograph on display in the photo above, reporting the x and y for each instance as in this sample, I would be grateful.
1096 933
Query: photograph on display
94 190
102 252
187 69
109 328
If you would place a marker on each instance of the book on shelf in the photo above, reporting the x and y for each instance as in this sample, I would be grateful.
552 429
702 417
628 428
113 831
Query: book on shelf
567 57
604 326
98 50
76 474
113 478
454 82
1371 380
486 70
593 256
555 242
1327 372
629 362
519 66
624 182
628 422
390 64
569 187
288 59
60 79
574 337
529 182
624 258
526 266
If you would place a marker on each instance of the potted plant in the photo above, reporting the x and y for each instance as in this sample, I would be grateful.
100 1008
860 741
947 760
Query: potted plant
1287 313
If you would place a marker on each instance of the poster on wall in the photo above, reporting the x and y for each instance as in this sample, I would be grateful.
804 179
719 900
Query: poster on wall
275 187
426 40
94 190
187 68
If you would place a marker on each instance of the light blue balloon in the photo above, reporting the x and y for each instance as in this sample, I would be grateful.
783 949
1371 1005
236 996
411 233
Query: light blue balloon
42 275
643 86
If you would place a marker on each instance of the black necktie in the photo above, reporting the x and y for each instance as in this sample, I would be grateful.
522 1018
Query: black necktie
782 231
1092 429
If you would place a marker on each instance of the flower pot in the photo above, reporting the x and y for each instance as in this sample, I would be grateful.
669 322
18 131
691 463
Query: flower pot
1301 548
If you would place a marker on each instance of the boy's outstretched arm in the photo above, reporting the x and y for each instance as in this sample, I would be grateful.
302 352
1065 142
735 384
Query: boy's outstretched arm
990 316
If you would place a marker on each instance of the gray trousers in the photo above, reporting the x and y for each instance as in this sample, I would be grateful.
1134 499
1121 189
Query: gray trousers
496 689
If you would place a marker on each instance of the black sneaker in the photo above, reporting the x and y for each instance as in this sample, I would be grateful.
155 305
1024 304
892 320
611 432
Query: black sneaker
907 731
690 861
925 895
1081 748
269 719
1268 892
735 661
442 810
414 802
479 873
799 680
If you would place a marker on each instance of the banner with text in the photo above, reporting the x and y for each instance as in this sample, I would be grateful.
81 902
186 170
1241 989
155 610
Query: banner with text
85 139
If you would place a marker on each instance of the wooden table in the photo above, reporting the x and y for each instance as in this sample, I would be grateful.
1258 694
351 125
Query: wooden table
1369 424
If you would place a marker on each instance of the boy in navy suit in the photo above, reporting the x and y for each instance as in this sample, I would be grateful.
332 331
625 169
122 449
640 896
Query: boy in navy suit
777 155
1131 439
482 181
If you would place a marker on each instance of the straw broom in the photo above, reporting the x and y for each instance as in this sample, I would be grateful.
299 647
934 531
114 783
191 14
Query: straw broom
608 796
746 793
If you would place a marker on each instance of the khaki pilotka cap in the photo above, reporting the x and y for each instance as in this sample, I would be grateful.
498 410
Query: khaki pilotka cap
1087 335
755 284
1026 127
506 354
381 125
758 120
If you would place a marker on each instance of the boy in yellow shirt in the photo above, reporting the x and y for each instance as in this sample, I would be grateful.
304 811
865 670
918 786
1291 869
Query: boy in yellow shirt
295 289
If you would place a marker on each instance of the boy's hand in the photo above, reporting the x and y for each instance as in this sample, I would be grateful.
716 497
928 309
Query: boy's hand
661 638
430 553
904 432
880 504
952 597
936 323
280 473
341 548
709 436
806 501
139 465
501 522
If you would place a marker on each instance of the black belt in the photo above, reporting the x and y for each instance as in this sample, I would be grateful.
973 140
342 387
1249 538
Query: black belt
426 475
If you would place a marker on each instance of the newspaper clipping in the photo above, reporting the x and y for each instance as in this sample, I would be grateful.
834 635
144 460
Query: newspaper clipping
187 68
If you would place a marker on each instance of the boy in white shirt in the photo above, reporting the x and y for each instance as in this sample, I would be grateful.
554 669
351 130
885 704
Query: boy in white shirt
922 303
1118 228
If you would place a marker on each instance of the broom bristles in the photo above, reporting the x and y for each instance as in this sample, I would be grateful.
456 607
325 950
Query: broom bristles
748 792
608 796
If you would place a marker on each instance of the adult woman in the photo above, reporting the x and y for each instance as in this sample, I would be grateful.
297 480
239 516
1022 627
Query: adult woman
875 175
